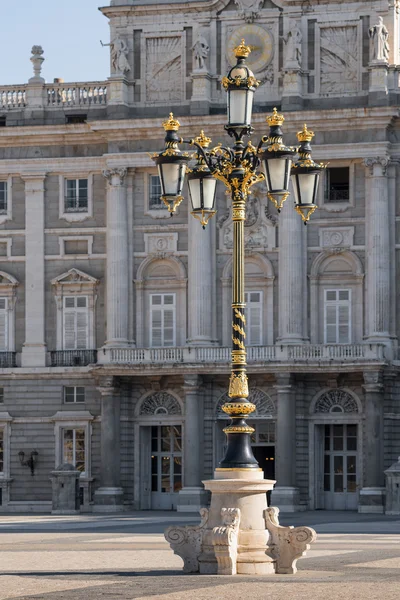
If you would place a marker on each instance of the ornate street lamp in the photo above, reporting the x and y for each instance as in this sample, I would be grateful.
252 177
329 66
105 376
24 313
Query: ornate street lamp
238 168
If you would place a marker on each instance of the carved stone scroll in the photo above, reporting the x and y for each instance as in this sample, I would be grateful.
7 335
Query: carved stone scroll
225 541
287 544
186 542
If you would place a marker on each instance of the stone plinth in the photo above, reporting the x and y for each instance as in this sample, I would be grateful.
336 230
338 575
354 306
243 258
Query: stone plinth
200 101
393 489
239 534
65 490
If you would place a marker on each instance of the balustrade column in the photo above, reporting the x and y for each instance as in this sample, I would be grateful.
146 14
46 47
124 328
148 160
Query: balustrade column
377 252
201 283
292 284
109 497
285 495
372 492
192 497
117 259
34 350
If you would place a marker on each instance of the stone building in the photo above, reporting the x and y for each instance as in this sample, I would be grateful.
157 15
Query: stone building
115 318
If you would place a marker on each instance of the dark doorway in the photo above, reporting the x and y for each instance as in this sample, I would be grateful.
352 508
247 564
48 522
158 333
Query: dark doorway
265 456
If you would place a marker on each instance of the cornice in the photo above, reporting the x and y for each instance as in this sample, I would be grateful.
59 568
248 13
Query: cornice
145 9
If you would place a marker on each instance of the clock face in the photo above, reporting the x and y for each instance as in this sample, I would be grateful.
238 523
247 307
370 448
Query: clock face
261 42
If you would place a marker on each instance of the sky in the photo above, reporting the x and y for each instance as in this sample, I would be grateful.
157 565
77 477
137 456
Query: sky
69 32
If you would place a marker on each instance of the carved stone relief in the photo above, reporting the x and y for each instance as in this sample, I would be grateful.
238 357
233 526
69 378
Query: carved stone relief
249 9
164 69
160 243
339 59
334 237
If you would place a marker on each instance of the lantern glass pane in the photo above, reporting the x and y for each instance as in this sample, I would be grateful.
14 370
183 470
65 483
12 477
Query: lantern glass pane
304 185
172 176
209 186
194 190
276 173
207 202
237 111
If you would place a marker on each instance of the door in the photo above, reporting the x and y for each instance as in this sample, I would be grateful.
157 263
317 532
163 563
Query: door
166 466
340 467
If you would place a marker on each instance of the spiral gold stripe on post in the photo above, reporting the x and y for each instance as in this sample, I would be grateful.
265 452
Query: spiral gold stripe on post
237 342
239 329
240 315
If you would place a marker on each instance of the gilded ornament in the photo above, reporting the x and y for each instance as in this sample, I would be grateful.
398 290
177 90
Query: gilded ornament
237 429
240 315
238 214
238 329
305 135
203 140
238 385
238 408
305 211
171 124
275 119
238 357
237 342
172 205
242 51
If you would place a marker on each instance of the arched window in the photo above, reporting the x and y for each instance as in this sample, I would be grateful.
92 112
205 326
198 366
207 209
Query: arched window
8 290
336 401
160 403
161 302
336 293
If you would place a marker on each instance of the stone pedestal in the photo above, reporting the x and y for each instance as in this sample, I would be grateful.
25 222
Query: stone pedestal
239 534
378 82
109 497
292 90
65 490
372 495
118 99
193 496
201 94
393 489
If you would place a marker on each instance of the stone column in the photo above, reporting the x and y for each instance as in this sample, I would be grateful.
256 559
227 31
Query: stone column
372 493
192 497
285 495
201 283
117 258
392 193
34 349
377 253
109 497
292 284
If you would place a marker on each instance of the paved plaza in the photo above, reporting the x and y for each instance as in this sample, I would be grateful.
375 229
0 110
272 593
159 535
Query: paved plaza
126 557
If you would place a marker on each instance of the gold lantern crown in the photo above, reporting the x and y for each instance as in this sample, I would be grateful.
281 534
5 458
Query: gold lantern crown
242 51
305 135
203 140
275 118
171 124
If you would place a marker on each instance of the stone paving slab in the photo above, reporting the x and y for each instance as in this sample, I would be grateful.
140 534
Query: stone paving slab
126 558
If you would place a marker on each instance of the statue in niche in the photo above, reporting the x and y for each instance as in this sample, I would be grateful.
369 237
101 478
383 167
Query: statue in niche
201 50
292 41
249 9
380 45
119 53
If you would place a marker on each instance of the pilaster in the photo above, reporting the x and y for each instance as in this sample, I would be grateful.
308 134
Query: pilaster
192 497
117 258
34 348
109 497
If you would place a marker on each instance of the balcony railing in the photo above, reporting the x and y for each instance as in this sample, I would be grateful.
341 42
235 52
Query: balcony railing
73 358
12 96
8 360
255 354
77 94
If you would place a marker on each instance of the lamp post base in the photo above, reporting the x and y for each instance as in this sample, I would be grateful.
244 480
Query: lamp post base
239 534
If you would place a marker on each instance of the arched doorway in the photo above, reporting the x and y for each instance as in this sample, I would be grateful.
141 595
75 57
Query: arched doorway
335 450
158 451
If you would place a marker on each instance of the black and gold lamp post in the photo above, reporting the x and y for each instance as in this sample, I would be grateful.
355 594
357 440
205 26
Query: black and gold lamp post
238 168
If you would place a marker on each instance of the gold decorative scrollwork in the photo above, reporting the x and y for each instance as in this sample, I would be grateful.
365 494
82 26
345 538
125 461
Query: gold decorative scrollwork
238 214
238 408
237 429
238 385
239 329
238 357
240 315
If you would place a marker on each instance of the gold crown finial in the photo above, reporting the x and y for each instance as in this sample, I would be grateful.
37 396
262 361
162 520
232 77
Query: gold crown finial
275 118
203 140
171 124
305 135
242 51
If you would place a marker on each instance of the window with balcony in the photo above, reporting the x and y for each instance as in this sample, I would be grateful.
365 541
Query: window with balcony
6 187
153 205
76 195
1 450
162 320
337 317
337 185
155 201
3 197
76 323
4 325
74 395
74 448
254 318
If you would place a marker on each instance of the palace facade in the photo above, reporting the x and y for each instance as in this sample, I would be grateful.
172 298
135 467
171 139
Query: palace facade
115 318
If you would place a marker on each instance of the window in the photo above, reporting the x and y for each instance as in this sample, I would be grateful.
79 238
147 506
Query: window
264 433
3 197
337 317
155 193
1 450
76 195
162 320
73 119
74 395
253 318
76 247
3 325
74 448
75 323
337 184
1 395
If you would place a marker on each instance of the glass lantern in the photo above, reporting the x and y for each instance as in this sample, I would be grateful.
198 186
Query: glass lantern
240 85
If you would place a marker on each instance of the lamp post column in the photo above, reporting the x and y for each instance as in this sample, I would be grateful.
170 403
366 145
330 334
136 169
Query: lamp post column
109 497
117 258
192 497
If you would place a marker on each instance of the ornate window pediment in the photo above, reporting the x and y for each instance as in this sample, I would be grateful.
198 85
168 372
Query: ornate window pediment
265 408
160 403
336 401
74 276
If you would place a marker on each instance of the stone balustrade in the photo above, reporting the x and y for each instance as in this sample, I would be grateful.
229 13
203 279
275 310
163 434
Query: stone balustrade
12 96
346 353
76 94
